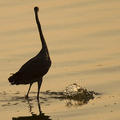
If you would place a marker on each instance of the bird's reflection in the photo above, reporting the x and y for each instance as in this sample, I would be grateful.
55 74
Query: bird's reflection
40 116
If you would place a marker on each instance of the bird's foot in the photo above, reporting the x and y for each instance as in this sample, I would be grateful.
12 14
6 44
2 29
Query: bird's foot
26 97
37 97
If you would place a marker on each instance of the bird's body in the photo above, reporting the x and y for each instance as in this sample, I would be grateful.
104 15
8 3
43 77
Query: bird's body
34 69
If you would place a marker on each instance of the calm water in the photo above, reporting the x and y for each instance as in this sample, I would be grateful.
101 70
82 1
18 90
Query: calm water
83 38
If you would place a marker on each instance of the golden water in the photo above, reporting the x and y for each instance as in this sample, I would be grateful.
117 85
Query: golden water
83 38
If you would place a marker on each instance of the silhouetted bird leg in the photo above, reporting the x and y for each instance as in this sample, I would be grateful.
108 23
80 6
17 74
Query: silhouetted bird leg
28 91
39 86
39 106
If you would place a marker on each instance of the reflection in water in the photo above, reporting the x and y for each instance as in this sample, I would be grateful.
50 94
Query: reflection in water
72 95
33 116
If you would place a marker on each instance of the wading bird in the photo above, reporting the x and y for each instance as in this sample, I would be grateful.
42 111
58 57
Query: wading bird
34 69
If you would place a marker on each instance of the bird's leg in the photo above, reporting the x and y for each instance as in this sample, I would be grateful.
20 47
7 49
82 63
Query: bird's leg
39 107
39 86
28 90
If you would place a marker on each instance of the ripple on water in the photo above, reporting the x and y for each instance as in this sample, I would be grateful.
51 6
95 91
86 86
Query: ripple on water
72 93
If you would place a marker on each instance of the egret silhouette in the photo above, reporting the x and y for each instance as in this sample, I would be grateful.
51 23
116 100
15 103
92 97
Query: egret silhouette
34 69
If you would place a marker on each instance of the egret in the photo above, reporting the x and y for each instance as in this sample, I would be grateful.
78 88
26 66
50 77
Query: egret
34 69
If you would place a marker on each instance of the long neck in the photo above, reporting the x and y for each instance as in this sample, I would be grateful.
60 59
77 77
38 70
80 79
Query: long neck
44 45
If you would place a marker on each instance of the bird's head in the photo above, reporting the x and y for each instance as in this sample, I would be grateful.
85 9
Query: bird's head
36 9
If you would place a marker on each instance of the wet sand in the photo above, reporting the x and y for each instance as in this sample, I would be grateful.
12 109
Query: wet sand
83 38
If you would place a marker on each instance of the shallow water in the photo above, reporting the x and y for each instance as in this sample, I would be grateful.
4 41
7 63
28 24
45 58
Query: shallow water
83 38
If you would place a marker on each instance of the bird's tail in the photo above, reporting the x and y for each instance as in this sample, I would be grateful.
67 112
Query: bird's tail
15 79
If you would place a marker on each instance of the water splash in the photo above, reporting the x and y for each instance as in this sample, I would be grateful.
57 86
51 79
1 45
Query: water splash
72 93
76 92
71 89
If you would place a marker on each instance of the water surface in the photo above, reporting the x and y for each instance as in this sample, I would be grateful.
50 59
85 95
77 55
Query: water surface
83 38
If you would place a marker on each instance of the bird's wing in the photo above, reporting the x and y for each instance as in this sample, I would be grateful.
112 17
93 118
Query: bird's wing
34 68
